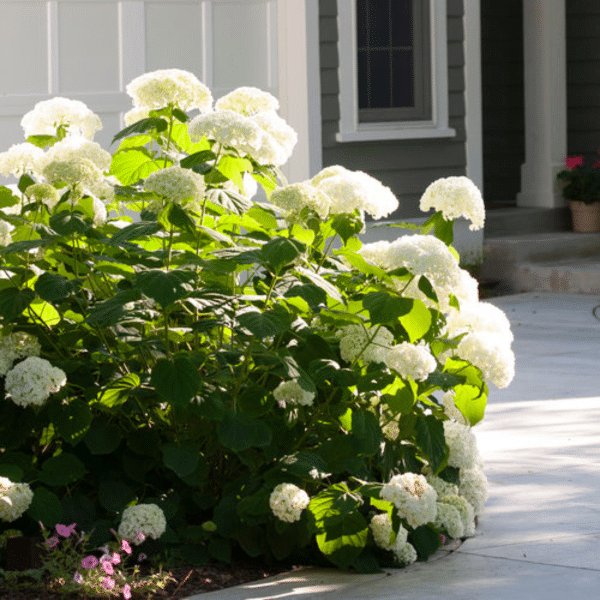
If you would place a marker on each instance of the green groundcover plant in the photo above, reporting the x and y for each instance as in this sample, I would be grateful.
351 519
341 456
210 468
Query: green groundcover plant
204 373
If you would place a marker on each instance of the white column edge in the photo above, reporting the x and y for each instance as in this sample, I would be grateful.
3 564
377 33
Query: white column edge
473 102
299 83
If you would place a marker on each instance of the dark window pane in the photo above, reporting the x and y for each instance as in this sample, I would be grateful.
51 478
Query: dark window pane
380 79
361 23
402 18
402 79
379 23
363 79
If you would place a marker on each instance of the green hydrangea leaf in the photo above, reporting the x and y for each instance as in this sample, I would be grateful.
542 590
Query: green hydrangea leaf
280 252
165 288
471 401
72 421
45 507
177 380
386 308
238 432
181 460
132 165
102 438
267 323
114 496
61 470
142 126
14 301
429 436
53 287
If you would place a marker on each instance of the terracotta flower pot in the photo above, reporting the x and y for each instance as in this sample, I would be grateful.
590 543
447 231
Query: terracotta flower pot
586 217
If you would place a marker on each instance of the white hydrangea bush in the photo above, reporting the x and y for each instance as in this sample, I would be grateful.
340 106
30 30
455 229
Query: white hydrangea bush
273 381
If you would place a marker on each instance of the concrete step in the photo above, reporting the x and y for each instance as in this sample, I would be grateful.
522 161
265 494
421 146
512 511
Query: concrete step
510 221
572 276
554 262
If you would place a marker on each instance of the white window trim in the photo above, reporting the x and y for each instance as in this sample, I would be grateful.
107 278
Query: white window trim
353 131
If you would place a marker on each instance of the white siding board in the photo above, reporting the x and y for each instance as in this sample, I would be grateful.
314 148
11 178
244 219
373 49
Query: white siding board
242 46
88 48
181 24
23 48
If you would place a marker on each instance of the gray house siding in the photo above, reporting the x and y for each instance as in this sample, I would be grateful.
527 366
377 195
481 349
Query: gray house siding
503 126
583 79
406 166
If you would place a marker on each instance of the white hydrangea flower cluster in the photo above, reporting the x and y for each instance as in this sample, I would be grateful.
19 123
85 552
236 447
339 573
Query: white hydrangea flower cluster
82 172
137 113
48 115
424 256
384 537
461 443
336 190
290 392
19 159
176 184
451 410
405 552
292 198
488 340
473 487
491 354
76 161
449 518
411 361
165 87
32 381
265 137
280 139
414 498
229 129
15 499
376 253
354 341
77 148
43 193
148 519
465 510
100 212
383 533
479 317
455 197
247 101
350 190
287 501
14 346
5 229
442 488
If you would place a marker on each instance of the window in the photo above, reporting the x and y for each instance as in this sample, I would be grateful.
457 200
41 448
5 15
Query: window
393 60
393 69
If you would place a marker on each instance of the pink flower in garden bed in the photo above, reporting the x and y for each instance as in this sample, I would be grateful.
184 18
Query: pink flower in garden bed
89 562
574 161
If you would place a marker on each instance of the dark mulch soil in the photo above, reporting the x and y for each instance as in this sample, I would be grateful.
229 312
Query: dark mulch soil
189 581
